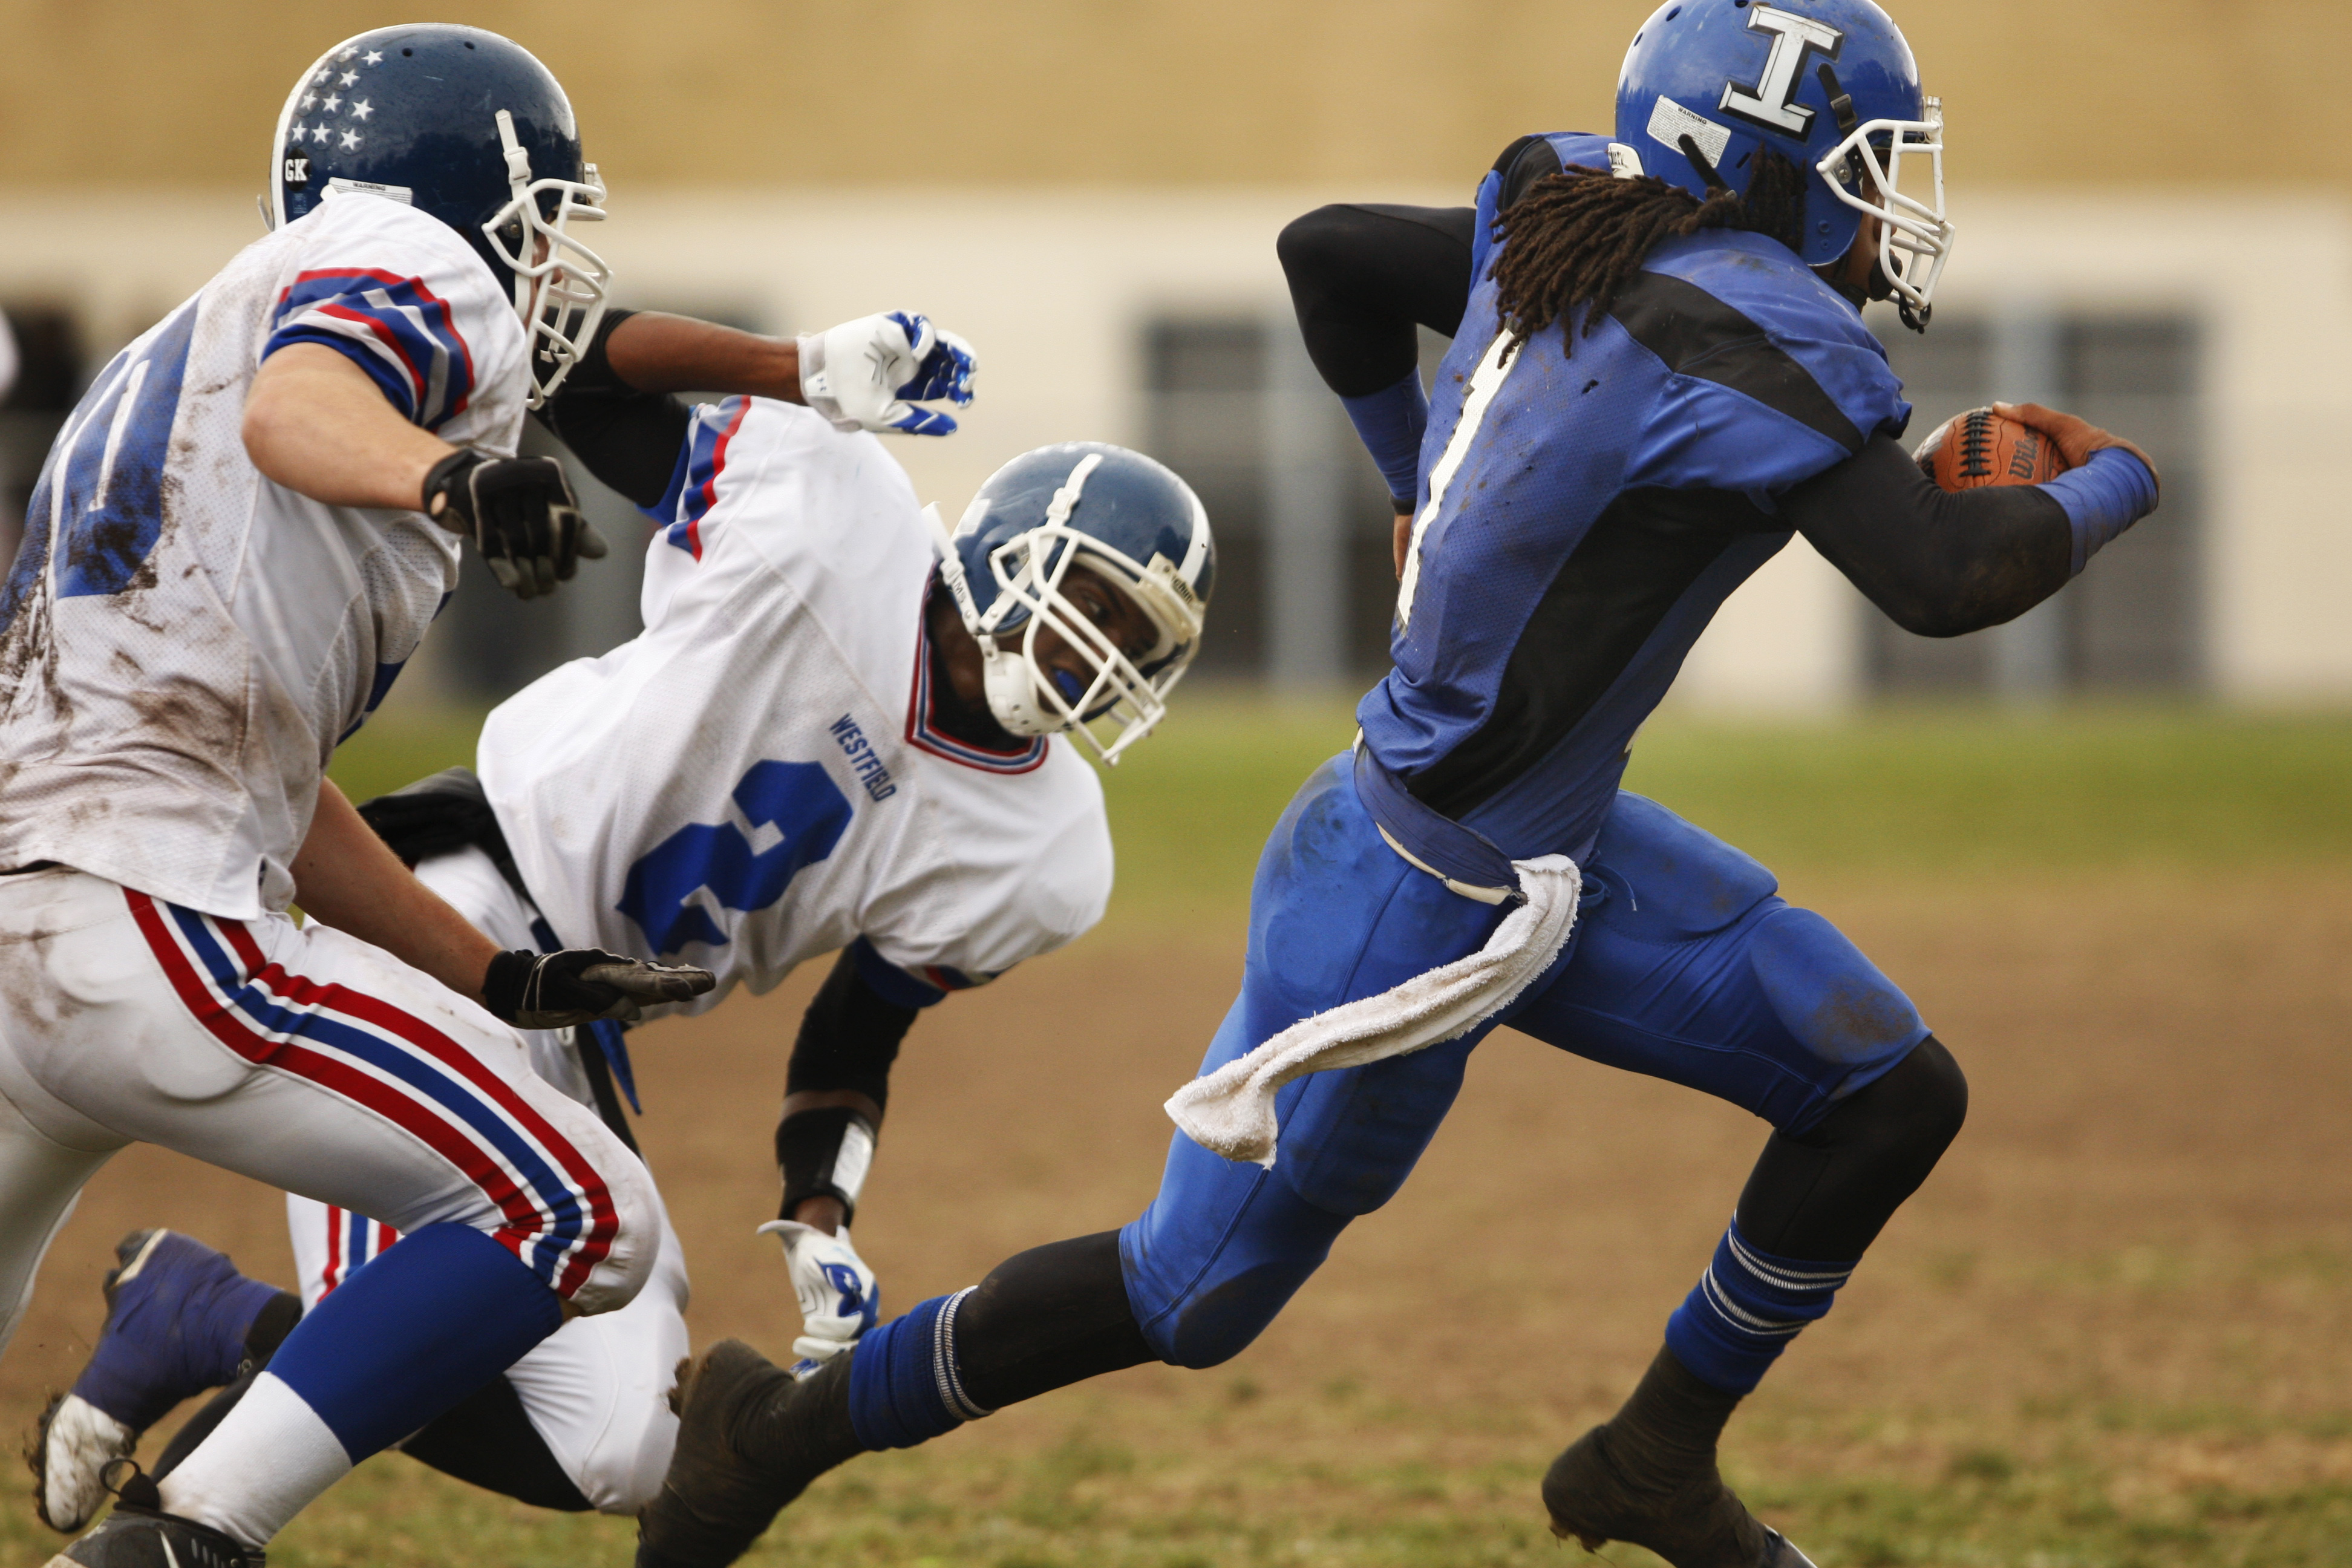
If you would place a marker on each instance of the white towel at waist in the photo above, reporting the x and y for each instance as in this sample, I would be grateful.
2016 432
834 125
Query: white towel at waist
1231 1111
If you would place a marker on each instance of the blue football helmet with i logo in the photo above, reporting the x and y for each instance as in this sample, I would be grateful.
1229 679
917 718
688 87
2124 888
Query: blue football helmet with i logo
1828 84
470 128
1117 515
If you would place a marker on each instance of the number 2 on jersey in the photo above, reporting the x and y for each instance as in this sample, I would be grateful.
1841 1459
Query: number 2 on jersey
792 815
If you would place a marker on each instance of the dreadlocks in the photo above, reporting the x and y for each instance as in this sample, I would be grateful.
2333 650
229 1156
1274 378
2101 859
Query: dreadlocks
1579 235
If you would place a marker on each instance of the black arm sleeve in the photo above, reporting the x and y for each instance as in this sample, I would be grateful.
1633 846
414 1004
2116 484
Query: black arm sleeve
1362 273
628 439
1361 276
848 1039
1938 562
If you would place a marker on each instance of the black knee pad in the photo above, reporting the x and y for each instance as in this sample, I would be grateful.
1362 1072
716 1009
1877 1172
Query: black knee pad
1920 1102
1825 1193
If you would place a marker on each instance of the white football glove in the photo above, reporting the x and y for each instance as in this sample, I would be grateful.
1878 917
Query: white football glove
868 375
839 1299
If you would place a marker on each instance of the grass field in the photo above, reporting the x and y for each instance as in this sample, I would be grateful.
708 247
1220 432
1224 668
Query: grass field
1940 792
2116 1328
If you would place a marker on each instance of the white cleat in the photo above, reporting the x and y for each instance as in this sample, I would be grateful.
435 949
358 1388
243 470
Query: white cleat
74 1444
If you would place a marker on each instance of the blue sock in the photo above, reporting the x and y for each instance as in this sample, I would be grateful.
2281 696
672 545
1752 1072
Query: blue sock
177 1328
904 1385
1746 1309
417 1329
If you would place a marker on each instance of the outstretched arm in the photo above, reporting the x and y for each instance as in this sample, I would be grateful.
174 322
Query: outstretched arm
315 424
618 413
347 878
1941 563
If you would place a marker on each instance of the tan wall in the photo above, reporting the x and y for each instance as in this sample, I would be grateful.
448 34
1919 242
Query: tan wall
730 93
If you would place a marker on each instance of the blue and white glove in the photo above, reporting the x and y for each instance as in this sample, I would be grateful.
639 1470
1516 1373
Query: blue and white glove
839 1299
868 375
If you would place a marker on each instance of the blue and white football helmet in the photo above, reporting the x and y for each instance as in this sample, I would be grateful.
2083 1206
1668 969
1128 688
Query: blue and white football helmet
1830 85
1117 513
470 128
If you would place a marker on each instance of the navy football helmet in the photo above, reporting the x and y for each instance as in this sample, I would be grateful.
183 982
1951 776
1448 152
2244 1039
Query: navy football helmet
1830 85
1117 513
469 127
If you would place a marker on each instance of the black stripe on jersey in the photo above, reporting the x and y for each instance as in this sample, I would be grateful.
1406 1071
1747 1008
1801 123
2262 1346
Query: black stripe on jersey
1699 335
1639 556
1523 162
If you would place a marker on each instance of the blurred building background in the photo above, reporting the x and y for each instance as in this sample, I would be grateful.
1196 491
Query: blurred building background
1091 191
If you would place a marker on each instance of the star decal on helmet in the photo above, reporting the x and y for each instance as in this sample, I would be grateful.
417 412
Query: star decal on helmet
334 101
361 109
350 140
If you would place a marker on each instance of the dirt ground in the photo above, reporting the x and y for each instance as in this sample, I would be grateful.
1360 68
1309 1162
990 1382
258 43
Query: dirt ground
2139 1251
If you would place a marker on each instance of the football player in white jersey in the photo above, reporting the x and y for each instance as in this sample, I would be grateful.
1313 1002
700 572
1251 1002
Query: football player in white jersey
834 733
238 538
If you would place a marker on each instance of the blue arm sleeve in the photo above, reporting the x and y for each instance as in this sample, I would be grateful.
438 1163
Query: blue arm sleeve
2102 498
1391 423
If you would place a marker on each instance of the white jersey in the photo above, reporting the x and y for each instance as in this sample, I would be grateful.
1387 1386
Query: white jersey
181 641
757 778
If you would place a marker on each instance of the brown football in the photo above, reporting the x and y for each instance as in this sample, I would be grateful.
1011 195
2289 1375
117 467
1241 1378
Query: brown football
1981 447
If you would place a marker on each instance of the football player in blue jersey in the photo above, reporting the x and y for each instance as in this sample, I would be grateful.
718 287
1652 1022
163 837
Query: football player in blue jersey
1660 373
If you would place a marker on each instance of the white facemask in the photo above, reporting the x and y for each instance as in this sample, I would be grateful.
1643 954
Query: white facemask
1027 698
558 283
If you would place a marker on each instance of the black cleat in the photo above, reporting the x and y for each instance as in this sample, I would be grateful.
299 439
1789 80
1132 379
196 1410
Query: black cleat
716 1499
140 1534
1648 1476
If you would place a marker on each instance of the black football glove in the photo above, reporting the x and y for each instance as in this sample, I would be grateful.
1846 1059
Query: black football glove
581 984
521 514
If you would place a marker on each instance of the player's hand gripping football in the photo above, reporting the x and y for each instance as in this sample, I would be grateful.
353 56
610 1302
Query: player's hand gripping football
868 375
838 1297
2076 439
521 514
582 985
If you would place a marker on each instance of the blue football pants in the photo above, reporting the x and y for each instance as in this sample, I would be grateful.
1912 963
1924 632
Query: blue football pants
1685 964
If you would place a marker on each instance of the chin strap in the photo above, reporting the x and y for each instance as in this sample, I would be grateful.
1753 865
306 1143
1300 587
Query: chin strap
518 186
951 573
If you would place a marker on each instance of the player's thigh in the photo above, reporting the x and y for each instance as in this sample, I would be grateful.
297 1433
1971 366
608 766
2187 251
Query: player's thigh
39 1179
597 1390
1688 966
1335 915
316 1063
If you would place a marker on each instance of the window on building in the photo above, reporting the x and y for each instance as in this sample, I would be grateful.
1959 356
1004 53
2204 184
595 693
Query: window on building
2133 622
1305 588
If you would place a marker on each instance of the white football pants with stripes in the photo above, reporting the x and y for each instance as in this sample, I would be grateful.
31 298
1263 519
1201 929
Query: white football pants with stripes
300 1057
596 1389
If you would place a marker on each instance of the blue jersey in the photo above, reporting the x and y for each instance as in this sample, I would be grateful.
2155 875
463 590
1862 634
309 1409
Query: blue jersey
1582 515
